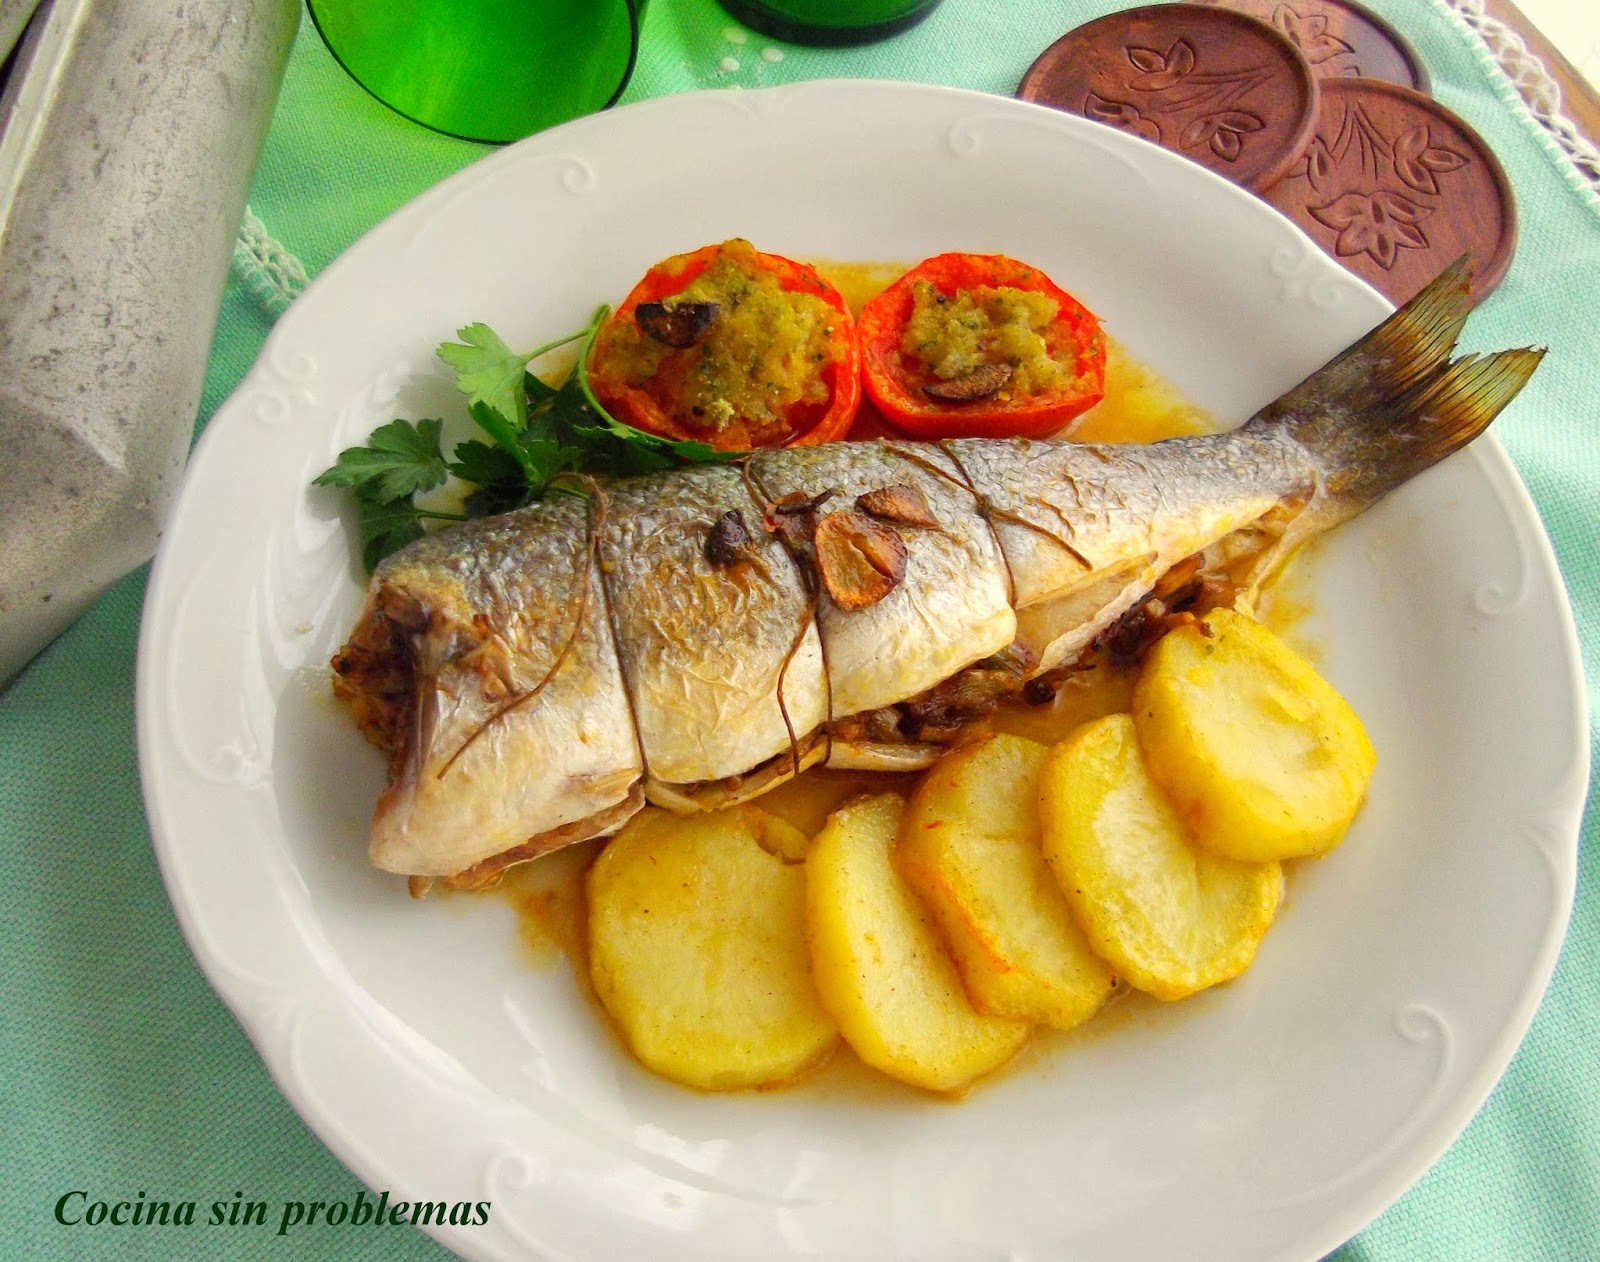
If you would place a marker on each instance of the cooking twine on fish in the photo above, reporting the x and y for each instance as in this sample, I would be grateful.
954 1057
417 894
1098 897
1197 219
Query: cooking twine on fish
273 276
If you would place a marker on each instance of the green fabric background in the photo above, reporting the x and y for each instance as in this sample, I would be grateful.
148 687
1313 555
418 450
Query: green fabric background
121 1072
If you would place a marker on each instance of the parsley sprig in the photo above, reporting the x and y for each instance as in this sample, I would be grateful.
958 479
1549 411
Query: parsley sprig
536 432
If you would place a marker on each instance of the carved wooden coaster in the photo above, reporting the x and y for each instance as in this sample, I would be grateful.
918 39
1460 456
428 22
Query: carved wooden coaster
1396 187
1340 39
1214 84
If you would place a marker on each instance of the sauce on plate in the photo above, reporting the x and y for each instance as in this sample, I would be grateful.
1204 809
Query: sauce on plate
1140 405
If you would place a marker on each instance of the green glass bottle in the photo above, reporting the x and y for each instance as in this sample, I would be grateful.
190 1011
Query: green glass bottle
830 23
490 70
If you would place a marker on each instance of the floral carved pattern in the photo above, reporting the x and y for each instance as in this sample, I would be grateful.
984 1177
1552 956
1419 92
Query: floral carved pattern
1165 96
1378 189
1377 224
1309 33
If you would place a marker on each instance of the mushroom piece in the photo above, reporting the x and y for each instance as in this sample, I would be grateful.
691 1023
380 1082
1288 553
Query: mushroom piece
729 540
680 325
980 383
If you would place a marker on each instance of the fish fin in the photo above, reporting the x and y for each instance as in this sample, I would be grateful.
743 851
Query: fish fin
1458 403
1404 350
1436 417
1395 402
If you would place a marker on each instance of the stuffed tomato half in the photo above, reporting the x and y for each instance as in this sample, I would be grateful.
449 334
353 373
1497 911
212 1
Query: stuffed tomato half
733 347
980 345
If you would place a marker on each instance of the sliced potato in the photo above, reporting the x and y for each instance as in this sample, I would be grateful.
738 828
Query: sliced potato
1260 754
969 847
879 965
1170 917
697 948
777 836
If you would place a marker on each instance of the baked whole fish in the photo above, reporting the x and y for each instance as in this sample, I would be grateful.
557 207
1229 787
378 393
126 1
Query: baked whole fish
696 637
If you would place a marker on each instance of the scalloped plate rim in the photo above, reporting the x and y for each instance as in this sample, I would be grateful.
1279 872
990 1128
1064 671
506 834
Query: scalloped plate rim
1565 807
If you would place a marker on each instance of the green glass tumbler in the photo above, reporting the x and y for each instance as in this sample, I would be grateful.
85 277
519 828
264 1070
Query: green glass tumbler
830 23
489 70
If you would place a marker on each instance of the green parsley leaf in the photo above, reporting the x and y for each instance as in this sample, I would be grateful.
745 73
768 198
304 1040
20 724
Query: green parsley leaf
632 450
490 373
539 390
549 457
498 476
386 527
499 482
637 451
538 432
495 424
399 459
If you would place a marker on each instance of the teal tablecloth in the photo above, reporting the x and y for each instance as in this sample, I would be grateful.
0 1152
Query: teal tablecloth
121 1073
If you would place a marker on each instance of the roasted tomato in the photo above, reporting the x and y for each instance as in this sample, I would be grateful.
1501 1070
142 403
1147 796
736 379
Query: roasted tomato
733 347
980 345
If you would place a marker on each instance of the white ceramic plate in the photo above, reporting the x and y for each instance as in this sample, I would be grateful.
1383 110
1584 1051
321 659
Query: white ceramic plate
1272 1118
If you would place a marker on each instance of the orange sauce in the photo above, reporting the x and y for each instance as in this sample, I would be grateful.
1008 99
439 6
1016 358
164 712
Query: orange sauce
860 283
808 799
551 910
1285 605
1139 406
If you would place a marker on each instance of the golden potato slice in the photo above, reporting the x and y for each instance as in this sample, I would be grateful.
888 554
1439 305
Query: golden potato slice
1259 753
879 965
1170 917
697 948
969 847
778 836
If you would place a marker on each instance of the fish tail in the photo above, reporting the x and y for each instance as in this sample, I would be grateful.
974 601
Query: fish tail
1396 402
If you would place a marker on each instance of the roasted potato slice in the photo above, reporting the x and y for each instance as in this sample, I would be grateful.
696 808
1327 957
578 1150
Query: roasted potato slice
969 847
879 964
1170 917
1259 753
697 948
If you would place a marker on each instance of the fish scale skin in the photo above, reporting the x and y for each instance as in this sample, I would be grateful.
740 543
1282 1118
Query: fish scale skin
1043 540
503 597
692 695
706 640
950 609
1111 502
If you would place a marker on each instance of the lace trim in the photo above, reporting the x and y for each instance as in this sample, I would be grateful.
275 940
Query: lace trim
273 276
1533 83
